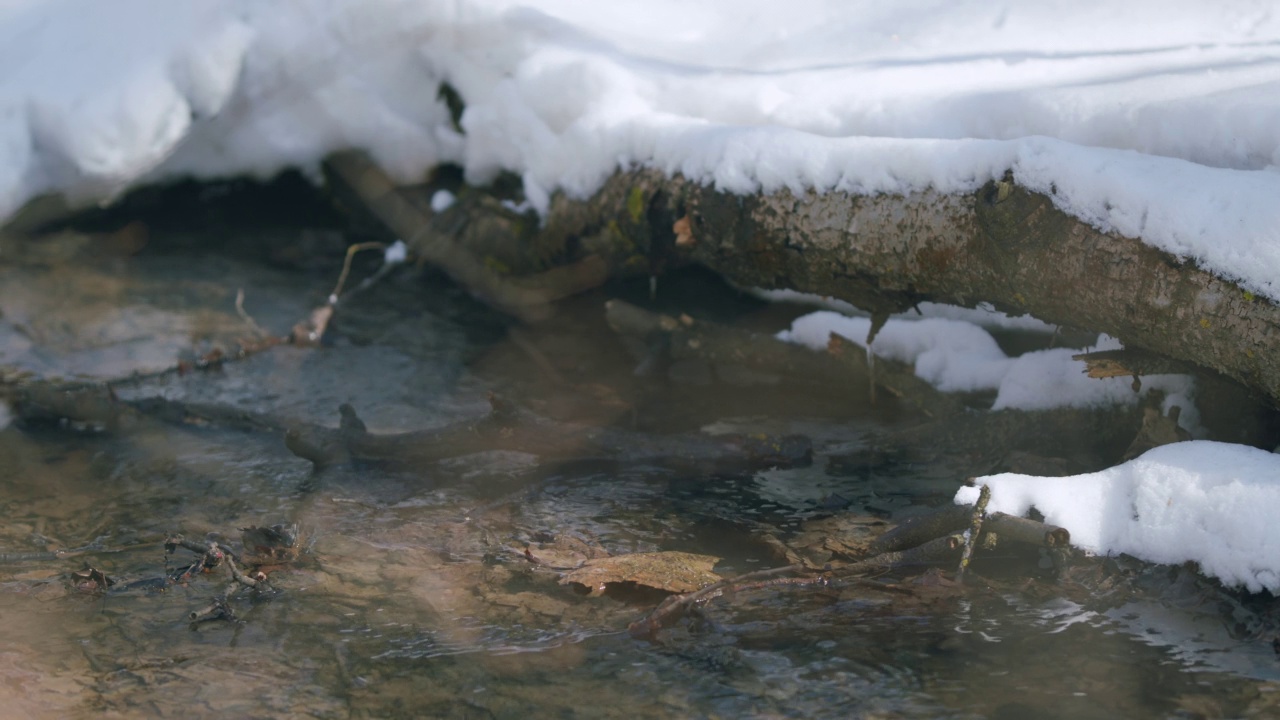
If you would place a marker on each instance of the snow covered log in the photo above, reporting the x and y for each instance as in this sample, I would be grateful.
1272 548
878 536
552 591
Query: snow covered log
1003 244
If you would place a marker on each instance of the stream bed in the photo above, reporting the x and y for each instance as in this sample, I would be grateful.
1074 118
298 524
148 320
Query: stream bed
414 596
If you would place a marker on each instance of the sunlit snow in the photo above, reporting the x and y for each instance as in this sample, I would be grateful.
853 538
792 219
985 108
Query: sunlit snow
1207 502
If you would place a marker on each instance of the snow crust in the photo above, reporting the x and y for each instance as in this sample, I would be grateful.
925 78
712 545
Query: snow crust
1207 502
1153 118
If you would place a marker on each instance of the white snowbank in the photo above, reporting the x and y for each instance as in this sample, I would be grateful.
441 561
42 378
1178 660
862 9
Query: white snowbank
1154 118
96 97
958 356
1207 502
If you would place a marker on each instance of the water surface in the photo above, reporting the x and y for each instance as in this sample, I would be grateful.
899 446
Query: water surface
414 598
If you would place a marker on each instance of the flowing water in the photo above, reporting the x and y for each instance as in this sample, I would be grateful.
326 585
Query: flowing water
414 597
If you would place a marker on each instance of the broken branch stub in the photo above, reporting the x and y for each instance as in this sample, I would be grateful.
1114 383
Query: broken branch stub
1025 530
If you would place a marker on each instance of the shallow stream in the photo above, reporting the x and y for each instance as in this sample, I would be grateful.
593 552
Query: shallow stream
414 597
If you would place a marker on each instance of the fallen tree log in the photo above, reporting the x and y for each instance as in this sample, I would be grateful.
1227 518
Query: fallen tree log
1003 245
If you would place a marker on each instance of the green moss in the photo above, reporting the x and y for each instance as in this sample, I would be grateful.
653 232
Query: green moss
496 265
635 204
619 238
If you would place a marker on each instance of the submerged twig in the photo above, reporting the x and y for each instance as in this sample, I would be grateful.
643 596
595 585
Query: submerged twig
212 554
674 607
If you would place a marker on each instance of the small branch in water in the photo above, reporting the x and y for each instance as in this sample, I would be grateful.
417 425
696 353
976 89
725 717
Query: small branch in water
217 610
675 607
975 527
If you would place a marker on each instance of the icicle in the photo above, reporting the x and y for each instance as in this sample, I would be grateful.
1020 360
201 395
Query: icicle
878 320
871 373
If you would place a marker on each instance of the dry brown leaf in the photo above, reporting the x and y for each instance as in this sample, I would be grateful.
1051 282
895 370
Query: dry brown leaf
684 232
841 536
675 572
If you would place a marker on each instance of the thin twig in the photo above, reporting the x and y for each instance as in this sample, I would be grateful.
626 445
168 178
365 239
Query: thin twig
975 527
677 605
346 266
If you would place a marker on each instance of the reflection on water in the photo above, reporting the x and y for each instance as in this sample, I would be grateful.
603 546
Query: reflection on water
415 598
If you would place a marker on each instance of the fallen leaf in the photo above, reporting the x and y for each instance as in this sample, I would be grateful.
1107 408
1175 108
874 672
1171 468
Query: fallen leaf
841 536
91 580
676 572
684 232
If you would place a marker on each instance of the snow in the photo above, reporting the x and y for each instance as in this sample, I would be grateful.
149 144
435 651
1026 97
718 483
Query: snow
1151 118
1207 502
442 200
984 315
959 356
396 253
